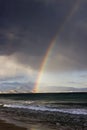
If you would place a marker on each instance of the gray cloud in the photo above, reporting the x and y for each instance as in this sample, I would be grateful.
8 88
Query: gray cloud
28 26
62 89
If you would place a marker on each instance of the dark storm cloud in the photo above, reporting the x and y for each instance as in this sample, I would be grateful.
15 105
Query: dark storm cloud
74 36
31 23
27 27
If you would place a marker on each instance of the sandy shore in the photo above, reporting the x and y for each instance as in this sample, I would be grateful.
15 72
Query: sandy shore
8 126
39 120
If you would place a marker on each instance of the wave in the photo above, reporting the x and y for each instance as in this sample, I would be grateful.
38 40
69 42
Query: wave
77 111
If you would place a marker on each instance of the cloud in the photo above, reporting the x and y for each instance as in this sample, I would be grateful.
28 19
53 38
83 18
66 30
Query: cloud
16 87
62 89
9 68
27 29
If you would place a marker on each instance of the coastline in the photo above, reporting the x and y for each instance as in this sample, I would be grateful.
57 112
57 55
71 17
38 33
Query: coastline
9 126
56 120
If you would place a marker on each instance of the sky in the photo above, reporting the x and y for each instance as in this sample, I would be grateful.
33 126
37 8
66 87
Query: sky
27 28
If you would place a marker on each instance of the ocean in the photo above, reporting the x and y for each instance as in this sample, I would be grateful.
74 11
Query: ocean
49 107
75 103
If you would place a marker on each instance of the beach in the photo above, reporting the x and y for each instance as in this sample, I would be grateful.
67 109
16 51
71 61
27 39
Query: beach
29 120
8 126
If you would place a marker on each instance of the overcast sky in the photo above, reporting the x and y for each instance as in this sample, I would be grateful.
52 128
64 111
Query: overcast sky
27 28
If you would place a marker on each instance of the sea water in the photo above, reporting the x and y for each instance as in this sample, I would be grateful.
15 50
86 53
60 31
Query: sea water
74 103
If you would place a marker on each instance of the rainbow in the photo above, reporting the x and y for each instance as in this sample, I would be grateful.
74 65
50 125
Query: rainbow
52 44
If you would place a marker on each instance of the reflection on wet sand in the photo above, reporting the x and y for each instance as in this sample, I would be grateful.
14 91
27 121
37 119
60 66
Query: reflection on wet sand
8 126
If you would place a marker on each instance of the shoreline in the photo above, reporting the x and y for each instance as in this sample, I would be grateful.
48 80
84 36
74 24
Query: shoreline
9 126
56 119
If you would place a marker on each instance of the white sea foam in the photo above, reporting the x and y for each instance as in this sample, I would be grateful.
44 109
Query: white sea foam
42 108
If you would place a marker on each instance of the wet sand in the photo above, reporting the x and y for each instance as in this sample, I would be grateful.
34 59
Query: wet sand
8 126
33 120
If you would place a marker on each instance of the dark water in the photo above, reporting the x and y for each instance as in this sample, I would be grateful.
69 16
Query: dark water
69 97
21 108
74 103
